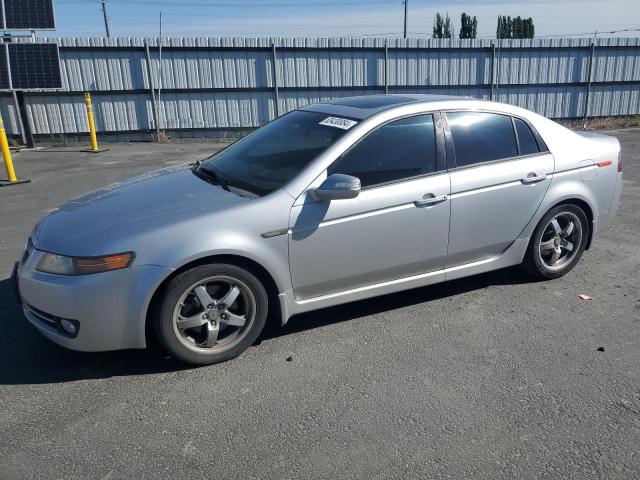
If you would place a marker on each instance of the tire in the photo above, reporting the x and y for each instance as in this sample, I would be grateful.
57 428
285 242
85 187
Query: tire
547 240
200 319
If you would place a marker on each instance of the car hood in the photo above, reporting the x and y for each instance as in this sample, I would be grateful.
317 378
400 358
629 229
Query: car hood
108 220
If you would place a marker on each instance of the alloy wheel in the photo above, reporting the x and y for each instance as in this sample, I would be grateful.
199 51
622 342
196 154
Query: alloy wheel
560 241
214 315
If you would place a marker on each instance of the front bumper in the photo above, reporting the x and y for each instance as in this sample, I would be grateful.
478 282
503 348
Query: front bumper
109 308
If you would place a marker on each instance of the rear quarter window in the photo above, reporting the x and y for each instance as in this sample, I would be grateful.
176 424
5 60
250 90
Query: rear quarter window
527 141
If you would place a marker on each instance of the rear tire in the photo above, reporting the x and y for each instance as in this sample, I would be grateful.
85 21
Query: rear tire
558 242
211 313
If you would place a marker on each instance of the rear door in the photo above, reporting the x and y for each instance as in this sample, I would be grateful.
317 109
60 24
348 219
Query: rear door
500 171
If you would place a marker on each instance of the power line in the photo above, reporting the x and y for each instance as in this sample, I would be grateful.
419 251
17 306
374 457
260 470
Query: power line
597 32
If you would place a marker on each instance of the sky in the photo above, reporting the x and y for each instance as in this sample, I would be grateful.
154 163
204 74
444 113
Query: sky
299 18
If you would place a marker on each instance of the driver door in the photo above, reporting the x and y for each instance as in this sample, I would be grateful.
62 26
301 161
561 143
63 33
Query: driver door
397 226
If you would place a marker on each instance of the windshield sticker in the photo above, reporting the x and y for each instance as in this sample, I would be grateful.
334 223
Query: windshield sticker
343 123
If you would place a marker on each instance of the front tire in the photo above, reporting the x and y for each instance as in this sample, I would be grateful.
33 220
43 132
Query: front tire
211 313
558 242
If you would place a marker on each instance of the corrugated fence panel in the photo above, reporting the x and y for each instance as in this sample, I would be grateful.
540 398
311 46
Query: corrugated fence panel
215 110
610 100
323 68
208 69
228 83
63 114
550 101
539 66
411 67
102 70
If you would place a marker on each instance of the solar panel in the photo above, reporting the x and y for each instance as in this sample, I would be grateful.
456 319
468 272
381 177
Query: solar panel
28 15
34 65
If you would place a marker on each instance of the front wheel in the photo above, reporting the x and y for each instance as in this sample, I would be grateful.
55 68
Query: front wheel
211 313
557 242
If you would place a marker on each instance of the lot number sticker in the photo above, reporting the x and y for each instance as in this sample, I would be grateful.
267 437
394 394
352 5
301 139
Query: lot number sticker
343 123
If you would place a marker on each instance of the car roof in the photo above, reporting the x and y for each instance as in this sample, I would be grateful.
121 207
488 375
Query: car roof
364 106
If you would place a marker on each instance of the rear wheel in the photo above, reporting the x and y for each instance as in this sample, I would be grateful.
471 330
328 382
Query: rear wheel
211 313
558 242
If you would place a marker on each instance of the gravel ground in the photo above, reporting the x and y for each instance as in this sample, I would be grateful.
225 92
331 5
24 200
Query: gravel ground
493 376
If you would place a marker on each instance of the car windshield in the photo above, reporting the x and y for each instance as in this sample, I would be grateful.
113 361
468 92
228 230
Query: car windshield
268 158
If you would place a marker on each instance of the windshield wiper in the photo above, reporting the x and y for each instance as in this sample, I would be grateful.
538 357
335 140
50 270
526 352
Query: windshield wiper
223 182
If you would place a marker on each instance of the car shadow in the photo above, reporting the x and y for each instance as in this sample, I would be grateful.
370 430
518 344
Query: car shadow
27 357
384 303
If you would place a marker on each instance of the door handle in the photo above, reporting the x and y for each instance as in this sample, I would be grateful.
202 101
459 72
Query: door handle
533 178
430 199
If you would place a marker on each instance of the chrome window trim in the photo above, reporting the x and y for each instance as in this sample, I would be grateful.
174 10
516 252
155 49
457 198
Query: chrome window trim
502 160
451 143
437 125
404 180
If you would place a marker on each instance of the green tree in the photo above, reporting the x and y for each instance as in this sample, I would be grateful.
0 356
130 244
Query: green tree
516 27
463 21
501 31
442 26
447 33
468 26
438 26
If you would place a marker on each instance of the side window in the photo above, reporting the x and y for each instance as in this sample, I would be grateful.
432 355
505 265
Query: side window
527 141
401 149
481 137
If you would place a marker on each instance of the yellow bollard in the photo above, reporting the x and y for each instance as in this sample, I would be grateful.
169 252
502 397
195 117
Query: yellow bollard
6 154
92 125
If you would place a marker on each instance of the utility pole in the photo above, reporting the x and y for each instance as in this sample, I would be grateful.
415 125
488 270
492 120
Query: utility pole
106 20
406 5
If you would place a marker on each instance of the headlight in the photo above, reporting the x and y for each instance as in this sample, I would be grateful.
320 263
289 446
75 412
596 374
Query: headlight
63 265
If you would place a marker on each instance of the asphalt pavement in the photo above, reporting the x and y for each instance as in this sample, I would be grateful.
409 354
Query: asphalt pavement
493 376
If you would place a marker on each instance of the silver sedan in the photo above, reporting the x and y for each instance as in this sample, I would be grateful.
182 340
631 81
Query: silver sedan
327 204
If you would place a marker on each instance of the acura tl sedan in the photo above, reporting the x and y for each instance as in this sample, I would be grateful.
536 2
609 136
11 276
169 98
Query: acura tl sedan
331 203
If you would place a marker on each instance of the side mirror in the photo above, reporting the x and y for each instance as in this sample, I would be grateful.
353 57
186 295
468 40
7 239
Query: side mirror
338 186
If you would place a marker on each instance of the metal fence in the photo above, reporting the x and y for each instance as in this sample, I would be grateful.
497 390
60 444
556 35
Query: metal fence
212 85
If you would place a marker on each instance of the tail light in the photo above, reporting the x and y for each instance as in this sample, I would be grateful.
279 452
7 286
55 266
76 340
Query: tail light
620 161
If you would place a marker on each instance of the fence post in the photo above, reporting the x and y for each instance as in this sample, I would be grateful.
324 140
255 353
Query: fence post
386 67
152 87
274 74
23 133
493 73
586 99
